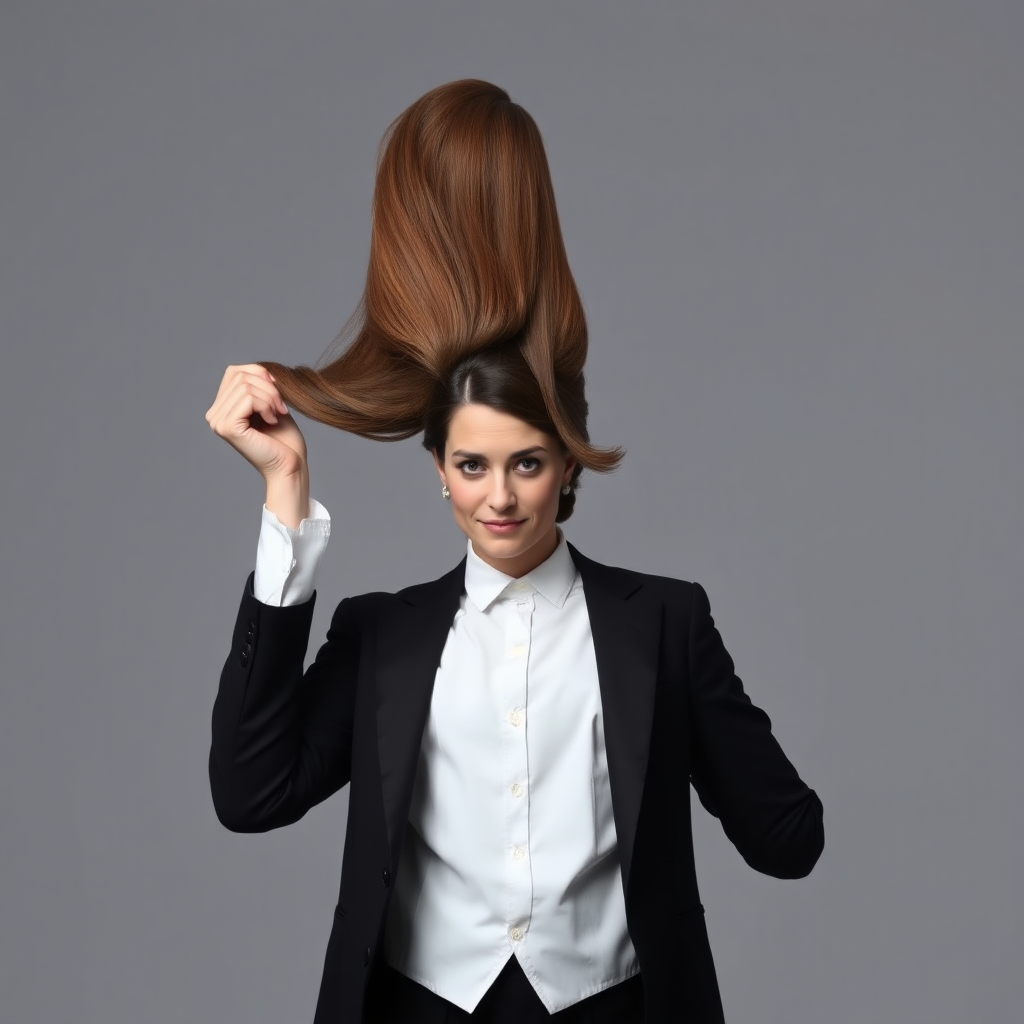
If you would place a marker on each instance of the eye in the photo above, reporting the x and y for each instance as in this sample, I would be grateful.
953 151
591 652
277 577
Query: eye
470 467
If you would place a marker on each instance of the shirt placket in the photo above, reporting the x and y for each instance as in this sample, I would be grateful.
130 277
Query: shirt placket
516 777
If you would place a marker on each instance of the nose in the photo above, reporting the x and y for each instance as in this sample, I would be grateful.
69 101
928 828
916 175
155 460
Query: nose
502 497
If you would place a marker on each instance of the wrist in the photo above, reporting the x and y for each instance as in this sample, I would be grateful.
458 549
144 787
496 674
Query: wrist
288 498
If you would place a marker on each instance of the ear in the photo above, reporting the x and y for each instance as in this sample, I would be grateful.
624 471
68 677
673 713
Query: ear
437 464
570 468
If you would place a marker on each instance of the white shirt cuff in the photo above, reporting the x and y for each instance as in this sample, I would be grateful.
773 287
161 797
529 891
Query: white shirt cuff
287 560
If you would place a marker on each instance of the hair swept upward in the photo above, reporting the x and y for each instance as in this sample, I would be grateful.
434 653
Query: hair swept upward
466 251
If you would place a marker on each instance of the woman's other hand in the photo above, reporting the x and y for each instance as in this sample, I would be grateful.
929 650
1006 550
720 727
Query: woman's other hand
249 413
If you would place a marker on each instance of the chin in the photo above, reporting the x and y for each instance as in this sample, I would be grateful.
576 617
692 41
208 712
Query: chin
511 546
505 546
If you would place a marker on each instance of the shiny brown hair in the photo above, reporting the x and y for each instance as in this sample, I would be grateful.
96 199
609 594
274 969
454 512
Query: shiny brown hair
466 253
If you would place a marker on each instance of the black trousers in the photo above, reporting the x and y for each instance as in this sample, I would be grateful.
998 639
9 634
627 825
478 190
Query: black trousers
396 999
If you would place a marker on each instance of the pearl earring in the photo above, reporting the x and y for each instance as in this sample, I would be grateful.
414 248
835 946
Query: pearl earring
566 488
445 493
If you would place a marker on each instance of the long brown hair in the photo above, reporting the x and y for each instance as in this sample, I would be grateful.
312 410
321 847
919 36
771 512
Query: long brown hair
466 252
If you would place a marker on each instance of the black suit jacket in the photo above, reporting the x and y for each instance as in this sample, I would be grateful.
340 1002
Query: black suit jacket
674 710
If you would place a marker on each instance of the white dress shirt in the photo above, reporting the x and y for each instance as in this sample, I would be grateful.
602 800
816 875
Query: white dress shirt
511 846
287 560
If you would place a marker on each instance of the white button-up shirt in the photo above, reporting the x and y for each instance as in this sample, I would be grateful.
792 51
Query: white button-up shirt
511 846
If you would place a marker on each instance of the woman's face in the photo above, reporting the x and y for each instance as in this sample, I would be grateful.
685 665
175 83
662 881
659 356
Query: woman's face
499 469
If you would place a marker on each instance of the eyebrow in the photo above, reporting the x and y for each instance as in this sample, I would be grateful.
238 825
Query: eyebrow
483 458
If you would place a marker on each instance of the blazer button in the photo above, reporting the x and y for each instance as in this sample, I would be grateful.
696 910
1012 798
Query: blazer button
366 957
386 877
243 654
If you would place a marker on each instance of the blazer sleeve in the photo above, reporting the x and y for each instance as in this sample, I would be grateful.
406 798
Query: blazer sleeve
738 769
281 737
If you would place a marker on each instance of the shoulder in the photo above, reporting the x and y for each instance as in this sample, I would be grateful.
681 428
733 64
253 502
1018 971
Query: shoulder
377 602
623 578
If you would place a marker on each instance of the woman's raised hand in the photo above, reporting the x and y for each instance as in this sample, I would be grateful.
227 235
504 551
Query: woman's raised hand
251 416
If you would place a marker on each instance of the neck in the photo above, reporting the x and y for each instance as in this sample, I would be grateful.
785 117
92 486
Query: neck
522 564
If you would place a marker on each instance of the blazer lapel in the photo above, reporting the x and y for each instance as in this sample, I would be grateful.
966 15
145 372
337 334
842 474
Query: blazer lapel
410 642
626 625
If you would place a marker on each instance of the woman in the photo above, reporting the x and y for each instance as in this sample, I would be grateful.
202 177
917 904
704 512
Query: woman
520 734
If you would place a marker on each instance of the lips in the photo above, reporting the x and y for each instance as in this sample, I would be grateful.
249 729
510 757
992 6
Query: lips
501 522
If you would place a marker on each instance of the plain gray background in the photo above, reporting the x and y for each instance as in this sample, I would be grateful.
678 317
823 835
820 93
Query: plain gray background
798 229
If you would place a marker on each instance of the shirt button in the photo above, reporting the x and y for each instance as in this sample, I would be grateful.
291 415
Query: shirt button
517 790
518 853
517 651
515 934
514 717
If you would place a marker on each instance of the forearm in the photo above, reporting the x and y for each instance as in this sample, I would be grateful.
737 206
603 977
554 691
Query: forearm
739 770
256 717
287 559
281 736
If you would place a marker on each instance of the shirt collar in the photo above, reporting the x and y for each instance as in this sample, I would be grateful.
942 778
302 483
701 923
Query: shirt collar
553 578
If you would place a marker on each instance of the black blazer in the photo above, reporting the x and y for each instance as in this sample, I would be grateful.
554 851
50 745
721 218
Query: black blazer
675 713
